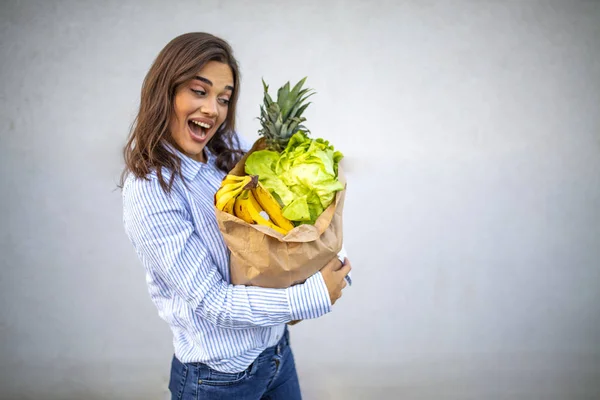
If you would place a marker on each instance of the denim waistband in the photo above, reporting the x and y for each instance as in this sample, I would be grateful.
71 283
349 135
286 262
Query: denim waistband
266 353
269 352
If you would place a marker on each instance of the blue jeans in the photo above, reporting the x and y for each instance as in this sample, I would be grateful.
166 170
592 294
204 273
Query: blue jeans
272 376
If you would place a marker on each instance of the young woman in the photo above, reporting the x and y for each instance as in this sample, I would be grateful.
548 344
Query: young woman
231 342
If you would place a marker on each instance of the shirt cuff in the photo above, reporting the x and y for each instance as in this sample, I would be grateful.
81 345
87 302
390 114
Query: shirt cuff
310 299
341 256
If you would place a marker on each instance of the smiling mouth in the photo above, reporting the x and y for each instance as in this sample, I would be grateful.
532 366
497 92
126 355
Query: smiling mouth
199 129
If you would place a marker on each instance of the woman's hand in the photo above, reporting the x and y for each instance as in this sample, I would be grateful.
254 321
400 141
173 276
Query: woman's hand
334 274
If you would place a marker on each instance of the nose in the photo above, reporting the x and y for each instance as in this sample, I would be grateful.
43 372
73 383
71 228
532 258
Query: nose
209 107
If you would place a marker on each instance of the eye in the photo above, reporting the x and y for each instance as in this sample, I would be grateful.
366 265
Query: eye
199 92
225 101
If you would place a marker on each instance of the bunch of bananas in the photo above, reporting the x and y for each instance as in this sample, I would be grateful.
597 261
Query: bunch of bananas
246 198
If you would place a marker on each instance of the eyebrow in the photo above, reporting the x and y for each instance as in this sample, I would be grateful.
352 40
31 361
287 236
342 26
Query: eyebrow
203 79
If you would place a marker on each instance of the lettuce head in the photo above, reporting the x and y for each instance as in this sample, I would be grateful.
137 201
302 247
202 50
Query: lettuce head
303 177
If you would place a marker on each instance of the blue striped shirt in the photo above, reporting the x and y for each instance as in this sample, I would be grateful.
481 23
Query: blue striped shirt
186 261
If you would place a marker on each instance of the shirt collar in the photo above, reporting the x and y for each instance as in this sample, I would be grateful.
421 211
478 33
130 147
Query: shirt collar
189 166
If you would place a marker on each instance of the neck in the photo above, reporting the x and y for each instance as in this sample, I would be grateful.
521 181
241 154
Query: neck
200 157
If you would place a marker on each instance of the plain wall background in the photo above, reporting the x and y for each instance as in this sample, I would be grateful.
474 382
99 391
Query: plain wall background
472 139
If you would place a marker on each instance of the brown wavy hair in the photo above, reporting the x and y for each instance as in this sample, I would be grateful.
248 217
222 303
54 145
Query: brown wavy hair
177 63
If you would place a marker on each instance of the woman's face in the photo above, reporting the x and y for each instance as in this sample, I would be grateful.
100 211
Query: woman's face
200 108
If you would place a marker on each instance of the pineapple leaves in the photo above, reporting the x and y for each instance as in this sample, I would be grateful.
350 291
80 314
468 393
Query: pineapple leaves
283 97
281 119
299 108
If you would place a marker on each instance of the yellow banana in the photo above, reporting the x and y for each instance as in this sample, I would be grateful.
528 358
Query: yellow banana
261 217
272 207
240 208
228 192
228 207
247 208
232 179
231 190
229 186
227 196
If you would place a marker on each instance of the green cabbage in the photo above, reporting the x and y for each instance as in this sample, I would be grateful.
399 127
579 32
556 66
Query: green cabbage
303 177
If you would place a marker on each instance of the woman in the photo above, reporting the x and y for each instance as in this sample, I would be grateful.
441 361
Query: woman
231 342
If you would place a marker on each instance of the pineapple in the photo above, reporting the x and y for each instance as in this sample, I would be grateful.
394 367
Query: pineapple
281 119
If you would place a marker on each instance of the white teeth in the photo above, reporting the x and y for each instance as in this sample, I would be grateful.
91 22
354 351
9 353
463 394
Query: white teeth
202 124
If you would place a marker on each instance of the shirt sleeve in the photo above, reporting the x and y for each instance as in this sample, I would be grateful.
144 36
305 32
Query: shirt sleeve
162 232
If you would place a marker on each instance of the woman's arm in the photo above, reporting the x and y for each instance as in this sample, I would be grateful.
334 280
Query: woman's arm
162 232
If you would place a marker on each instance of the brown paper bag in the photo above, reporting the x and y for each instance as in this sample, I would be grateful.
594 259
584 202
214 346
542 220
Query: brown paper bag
263 257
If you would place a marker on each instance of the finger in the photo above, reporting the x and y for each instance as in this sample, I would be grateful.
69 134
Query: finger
344 284
335 264
344 270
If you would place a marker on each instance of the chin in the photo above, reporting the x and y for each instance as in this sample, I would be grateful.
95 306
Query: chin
193 148
195 151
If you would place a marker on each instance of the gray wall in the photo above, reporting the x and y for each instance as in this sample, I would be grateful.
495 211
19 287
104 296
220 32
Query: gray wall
472 139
